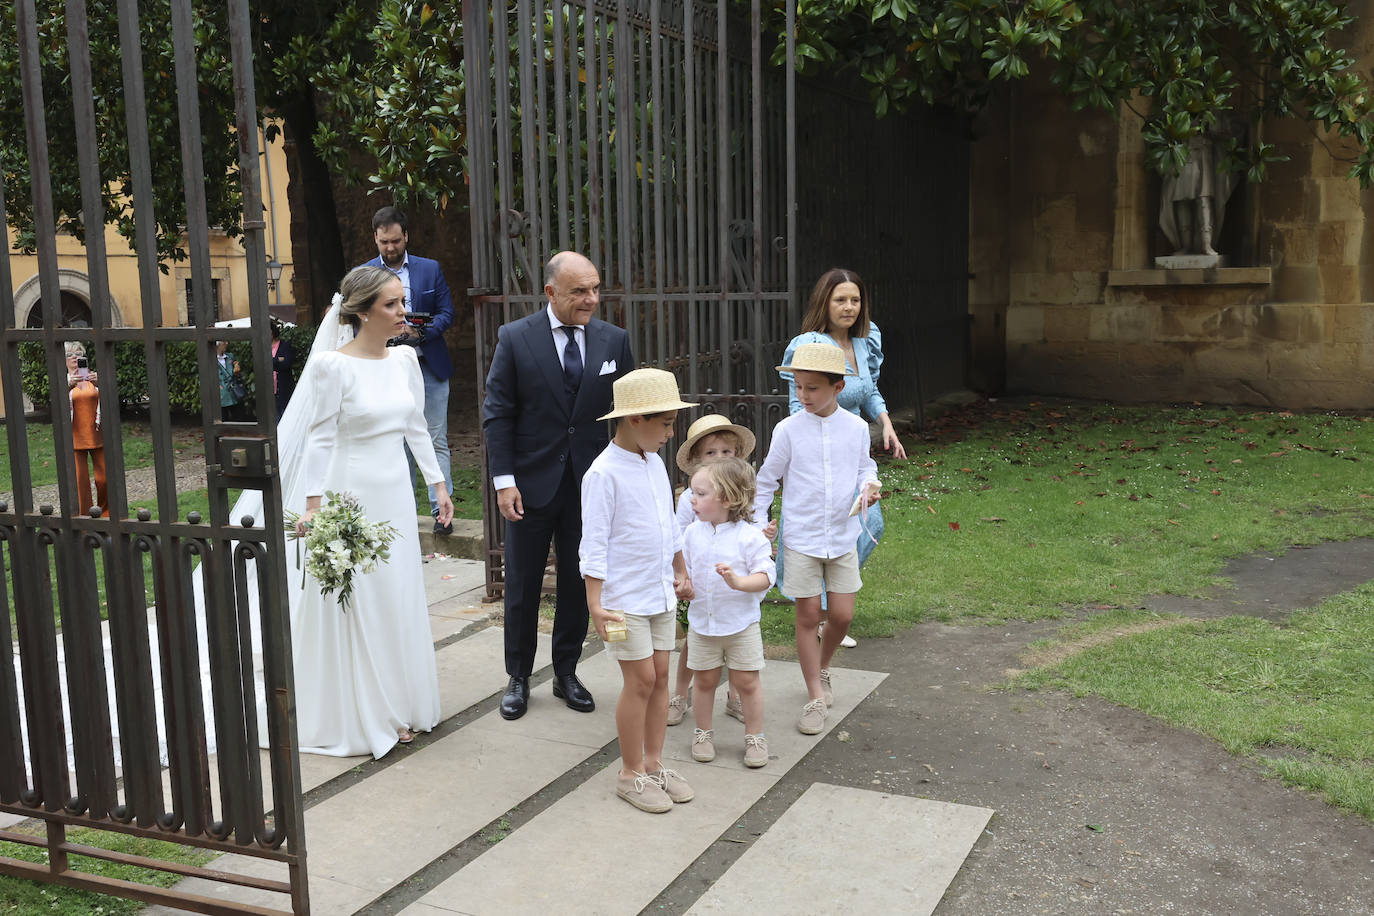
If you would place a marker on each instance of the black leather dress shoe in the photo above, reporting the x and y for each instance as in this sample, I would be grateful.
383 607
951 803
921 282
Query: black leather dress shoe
516 699
570 690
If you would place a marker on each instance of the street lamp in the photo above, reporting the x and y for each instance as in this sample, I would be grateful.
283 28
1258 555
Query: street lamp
273 272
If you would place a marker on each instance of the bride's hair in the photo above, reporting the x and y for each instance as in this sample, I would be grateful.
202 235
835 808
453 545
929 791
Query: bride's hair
359 290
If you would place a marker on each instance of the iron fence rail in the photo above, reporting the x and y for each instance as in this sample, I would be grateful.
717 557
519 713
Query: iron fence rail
57 563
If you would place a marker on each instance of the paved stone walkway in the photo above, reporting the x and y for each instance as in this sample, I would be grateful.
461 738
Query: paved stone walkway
487 816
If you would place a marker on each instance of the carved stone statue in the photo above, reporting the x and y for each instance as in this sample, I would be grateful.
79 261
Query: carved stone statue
1193 202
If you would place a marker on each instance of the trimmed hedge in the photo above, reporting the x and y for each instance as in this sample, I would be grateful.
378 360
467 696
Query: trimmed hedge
131 370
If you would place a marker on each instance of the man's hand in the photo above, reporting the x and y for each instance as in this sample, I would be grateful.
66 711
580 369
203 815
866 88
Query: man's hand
682 587
509 502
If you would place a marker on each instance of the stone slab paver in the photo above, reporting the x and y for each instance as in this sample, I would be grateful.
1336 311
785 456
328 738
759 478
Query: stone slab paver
629 857
840 848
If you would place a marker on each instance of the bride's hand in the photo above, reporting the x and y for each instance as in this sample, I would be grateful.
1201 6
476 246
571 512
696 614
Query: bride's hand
303 523
445 506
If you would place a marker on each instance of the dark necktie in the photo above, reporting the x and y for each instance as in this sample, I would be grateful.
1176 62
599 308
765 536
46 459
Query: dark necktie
572 360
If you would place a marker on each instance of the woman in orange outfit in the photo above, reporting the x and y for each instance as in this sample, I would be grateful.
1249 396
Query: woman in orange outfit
86 441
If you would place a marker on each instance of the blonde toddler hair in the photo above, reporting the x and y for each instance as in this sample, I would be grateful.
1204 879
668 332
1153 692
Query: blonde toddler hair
733 481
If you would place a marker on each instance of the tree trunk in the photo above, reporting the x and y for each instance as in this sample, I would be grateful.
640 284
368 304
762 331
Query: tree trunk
316 248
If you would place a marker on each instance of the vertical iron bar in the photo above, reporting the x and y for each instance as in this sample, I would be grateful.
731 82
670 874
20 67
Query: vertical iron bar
790 143
575 122
660 249
723 192
625 116
756 313
690 81
530 202
129 634
505 182
37 640
546 205
610 122
192 777
590 80
563 205
476 98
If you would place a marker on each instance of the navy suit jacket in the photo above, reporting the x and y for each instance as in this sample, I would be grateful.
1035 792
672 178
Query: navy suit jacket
429 293
533 427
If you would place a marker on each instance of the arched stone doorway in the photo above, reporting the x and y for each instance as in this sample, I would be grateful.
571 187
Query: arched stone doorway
75 287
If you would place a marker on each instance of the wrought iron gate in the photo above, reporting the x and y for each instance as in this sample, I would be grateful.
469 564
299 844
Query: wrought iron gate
654 137
79 679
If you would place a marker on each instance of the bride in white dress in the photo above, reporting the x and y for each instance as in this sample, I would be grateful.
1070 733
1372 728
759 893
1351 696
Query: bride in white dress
365 677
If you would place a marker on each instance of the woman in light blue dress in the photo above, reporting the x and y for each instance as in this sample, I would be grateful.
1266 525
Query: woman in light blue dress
838 314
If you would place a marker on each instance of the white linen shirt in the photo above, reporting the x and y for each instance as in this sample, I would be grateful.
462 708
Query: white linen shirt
718 609
629 535
686 515
821 463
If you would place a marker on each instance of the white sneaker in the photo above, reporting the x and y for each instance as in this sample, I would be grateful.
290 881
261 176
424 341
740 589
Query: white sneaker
848 641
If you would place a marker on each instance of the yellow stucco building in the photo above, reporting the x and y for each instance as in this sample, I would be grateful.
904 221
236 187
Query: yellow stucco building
228 267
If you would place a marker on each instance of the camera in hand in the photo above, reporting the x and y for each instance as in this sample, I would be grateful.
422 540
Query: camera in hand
417 320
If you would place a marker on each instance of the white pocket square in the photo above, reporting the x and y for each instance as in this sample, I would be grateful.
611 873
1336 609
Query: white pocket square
607 367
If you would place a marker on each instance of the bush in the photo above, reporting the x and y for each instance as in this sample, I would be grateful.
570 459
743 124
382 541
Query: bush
131 370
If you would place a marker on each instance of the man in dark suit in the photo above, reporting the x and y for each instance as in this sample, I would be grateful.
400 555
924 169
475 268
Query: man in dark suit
550 379
283 357
426 291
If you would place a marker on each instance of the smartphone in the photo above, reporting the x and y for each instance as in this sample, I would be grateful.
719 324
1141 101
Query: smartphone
82 367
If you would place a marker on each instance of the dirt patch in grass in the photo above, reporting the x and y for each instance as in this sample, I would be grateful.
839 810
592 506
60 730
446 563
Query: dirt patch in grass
1046 656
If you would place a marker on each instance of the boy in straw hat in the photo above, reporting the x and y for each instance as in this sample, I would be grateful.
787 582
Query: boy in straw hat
710 438
632 564
822 454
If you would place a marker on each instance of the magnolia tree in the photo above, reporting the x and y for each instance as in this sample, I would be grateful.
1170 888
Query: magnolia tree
1196 61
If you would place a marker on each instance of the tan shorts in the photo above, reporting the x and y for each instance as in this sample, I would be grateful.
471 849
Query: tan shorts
742 651
647 635
805 576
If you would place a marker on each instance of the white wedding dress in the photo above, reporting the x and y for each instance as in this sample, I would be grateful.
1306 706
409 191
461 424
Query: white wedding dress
364 673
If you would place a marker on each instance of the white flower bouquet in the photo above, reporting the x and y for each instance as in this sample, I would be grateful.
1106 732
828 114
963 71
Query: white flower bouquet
340 543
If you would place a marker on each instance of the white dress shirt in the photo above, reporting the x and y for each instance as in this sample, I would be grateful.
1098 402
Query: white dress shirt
560 343
686 515
821 463
718 609
629 535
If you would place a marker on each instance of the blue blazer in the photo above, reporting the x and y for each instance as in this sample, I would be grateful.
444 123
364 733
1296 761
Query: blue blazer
533 427
429 293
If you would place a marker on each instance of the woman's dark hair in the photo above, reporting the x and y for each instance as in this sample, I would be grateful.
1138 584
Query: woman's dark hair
818 309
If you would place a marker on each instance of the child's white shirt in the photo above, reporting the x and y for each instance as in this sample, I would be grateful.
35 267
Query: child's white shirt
686 515
821 462
717 609
629 535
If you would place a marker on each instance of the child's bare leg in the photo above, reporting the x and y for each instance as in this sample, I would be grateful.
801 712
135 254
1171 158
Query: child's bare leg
750 689
731 694
683 685
841 616
808 648
704 697
656 714
631 714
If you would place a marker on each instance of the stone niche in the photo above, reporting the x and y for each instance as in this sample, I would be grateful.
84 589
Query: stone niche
1088 314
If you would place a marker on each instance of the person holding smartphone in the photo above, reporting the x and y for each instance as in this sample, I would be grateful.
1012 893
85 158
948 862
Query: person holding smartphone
87 444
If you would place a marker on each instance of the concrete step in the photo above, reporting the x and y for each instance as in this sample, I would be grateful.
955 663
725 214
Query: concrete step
465 543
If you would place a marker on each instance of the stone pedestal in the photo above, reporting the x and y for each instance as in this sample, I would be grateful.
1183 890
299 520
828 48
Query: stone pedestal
1189 261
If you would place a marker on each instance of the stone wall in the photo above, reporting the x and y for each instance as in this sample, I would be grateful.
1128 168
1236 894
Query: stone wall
1063 233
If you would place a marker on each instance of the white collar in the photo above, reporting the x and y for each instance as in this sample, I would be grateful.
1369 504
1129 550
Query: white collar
556 324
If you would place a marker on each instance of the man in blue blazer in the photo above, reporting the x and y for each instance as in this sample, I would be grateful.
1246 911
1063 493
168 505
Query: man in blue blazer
426 291
550 379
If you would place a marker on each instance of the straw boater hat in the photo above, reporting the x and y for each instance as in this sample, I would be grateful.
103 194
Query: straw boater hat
709 425
818 357
645 391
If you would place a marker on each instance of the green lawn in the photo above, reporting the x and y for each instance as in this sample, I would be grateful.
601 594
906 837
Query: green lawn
137 450
1041 508
20 896
1296 698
